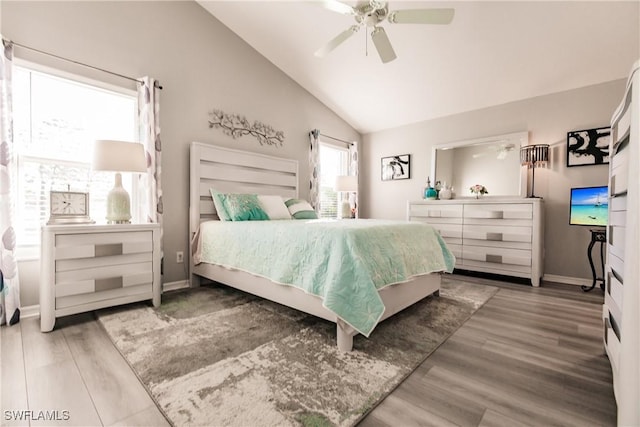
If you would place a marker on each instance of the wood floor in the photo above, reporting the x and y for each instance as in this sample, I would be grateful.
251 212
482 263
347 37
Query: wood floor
528 357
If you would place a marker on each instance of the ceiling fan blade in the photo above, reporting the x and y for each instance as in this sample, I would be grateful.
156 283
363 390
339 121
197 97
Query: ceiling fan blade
336 41
383 45
336 6
421 16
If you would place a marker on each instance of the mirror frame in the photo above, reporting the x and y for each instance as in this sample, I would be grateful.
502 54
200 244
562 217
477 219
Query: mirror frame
522 136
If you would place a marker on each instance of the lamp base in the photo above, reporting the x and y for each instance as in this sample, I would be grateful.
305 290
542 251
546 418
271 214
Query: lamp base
345 210
118 203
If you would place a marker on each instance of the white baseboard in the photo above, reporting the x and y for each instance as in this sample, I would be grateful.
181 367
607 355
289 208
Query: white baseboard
172 286
577 281
30 311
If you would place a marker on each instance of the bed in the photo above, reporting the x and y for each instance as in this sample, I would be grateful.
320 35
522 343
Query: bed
234 171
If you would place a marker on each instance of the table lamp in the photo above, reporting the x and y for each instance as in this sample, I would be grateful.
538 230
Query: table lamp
346 184
118 156
532 156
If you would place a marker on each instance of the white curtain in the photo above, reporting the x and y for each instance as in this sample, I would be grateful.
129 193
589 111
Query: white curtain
149 184
9 280
314 169
353 170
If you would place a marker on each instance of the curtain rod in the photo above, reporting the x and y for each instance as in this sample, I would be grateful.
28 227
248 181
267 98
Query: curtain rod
156 84
337 139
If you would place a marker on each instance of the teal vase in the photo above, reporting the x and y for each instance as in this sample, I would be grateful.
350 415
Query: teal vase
430 193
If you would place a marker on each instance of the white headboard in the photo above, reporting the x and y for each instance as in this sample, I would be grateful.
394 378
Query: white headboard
234 171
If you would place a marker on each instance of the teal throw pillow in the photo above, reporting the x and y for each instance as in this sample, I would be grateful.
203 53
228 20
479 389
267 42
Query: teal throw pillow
300 209
244 207
218 202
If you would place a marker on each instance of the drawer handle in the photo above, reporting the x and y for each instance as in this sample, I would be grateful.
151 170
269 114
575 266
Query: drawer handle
607 326
493 258
494 236
108 249
617 276
109 283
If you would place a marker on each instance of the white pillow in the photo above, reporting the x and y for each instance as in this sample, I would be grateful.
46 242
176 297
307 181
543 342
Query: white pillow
274 207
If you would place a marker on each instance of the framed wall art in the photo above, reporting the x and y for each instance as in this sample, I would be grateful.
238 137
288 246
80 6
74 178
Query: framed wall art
588 147
396 167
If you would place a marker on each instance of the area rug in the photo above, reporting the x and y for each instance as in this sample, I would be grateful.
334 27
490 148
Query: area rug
215 356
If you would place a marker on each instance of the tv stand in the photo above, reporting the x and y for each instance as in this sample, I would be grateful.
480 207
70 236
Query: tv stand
598 235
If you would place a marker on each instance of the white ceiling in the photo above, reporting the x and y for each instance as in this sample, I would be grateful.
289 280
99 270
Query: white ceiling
492 53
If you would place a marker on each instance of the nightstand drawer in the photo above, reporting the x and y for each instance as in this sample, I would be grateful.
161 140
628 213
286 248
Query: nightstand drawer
96 263
69 246
75 287
68 302
103 272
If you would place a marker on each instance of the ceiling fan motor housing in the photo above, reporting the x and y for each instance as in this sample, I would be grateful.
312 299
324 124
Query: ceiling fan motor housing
371 14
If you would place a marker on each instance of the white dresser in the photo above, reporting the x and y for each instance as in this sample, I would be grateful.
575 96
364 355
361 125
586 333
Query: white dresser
622 294
87 267
491 235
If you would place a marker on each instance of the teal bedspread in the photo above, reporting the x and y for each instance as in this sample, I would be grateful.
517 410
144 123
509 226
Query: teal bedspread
343 262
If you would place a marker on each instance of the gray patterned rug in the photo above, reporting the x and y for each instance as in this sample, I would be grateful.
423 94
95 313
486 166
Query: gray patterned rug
215 356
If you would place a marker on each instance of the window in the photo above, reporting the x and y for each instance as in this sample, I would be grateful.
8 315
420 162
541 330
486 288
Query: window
334 161
55 123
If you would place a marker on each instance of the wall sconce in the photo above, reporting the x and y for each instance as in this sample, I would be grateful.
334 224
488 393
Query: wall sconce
532 156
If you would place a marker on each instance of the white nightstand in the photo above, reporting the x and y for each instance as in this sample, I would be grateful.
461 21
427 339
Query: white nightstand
87 267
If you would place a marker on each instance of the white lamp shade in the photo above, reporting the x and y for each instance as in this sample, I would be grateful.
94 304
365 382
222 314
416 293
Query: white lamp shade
348 183
119 156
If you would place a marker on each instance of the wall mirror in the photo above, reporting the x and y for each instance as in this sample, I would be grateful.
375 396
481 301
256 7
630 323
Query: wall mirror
492 161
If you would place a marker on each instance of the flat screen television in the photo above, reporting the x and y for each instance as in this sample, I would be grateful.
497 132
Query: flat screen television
589 206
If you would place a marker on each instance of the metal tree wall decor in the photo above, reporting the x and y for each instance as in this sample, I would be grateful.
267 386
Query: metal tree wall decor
236 126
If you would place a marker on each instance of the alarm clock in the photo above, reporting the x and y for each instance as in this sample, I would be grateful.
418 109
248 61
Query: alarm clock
69 207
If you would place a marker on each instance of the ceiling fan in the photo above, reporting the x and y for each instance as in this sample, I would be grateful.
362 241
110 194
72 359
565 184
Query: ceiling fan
371 14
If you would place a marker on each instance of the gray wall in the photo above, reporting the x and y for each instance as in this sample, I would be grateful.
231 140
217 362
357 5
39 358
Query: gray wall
547 118
201 64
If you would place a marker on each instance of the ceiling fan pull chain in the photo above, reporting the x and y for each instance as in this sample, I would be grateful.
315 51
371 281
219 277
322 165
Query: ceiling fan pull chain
366 44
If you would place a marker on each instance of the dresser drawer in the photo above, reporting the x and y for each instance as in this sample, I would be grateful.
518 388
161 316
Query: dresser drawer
616 240
449 231
622 127
614 293
497 236
498 214
612 341
616 265
435 211
456 250
501 256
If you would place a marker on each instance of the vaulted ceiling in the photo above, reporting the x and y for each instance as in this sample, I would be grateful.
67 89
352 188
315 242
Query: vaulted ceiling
492 53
